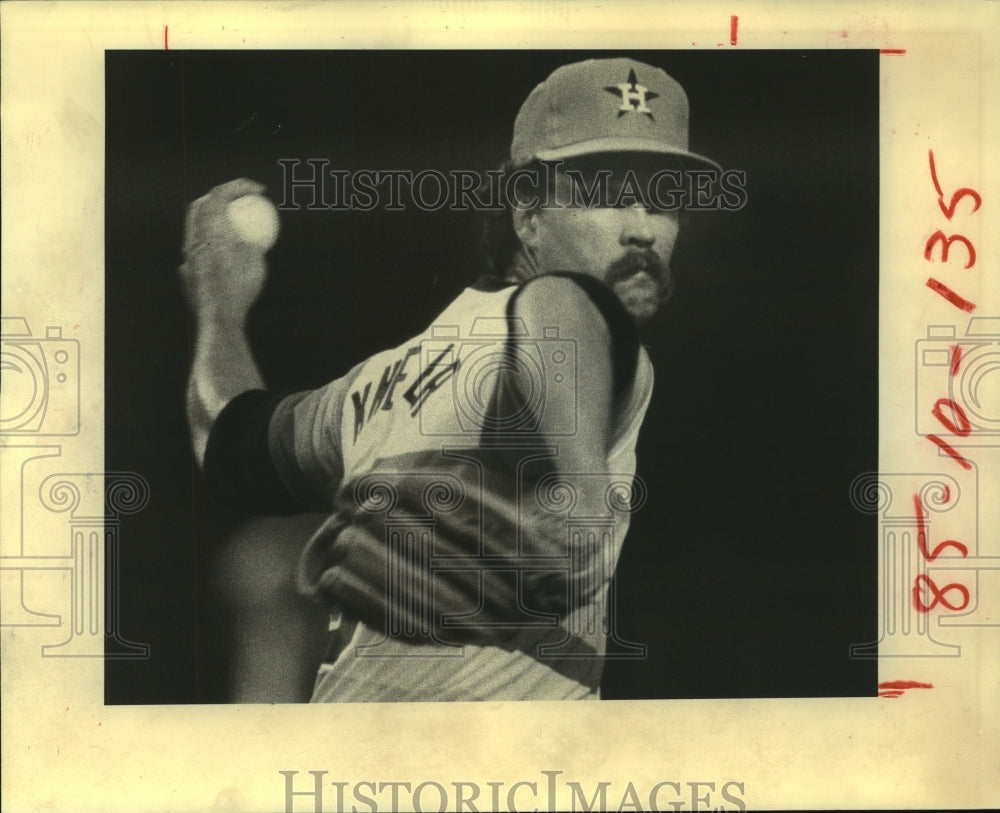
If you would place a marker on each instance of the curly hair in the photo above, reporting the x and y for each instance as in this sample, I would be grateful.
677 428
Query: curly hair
500 242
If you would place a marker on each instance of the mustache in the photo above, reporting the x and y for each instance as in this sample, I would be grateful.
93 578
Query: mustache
636 260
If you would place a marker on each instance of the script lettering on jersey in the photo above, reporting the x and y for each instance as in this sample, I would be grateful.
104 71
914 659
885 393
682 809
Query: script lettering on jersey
429 380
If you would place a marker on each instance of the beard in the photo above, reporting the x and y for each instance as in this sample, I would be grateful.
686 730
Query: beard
642 282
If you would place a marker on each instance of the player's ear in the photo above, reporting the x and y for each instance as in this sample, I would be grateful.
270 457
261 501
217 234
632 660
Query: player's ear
525 223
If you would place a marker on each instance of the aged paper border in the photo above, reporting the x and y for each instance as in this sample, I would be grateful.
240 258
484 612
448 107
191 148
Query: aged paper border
64 750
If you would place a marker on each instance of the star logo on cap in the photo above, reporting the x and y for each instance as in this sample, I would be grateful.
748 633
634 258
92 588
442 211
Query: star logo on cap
633 95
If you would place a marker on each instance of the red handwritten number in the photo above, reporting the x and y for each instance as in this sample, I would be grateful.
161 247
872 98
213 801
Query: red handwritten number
946 241
938 594
939 237
949 210
943 290
956 359
958 423
964 428
949 450
931 555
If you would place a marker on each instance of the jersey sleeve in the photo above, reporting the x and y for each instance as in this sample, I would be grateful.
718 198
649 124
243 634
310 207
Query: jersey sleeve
278 454
304 440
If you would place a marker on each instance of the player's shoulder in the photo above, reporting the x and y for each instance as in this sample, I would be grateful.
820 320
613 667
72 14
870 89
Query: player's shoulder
560 283
563 296
574 298
583 309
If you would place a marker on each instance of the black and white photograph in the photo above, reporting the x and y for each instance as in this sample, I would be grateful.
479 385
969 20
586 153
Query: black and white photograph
726 359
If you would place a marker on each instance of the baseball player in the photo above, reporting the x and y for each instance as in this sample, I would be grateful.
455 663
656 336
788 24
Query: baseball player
478 477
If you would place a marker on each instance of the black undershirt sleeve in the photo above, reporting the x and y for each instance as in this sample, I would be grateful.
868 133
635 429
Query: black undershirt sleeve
238 464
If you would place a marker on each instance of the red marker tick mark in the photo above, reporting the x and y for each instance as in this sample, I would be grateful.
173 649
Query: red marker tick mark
896 688
734 22
905 684
893 51
956 300
166 29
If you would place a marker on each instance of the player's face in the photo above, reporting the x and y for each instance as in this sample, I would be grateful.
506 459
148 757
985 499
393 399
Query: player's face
627 246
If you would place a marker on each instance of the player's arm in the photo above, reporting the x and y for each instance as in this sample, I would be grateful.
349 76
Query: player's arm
262 452
589 314
222 276
585 313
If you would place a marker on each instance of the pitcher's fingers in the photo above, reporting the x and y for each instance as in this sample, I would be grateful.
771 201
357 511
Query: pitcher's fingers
226 193
191 232
213 204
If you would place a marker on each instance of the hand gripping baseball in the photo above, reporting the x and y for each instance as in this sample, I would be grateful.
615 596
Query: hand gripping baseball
226 235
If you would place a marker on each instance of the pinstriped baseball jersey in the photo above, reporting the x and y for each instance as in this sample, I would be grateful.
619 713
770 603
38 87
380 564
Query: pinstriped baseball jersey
407 445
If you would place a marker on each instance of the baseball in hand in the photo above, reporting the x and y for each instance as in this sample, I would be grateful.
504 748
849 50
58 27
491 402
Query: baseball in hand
255 220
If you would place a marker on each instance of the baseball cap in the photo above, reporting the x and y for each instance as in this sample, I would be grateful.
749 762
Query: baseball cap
604 105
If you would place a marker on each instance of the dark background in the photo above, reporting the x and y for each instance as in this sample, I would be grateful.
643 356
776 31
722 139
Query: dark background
748 573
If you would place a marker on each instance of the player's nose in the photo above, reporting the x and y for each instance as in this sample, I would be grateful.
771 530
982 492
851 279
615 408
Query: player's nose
638 226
